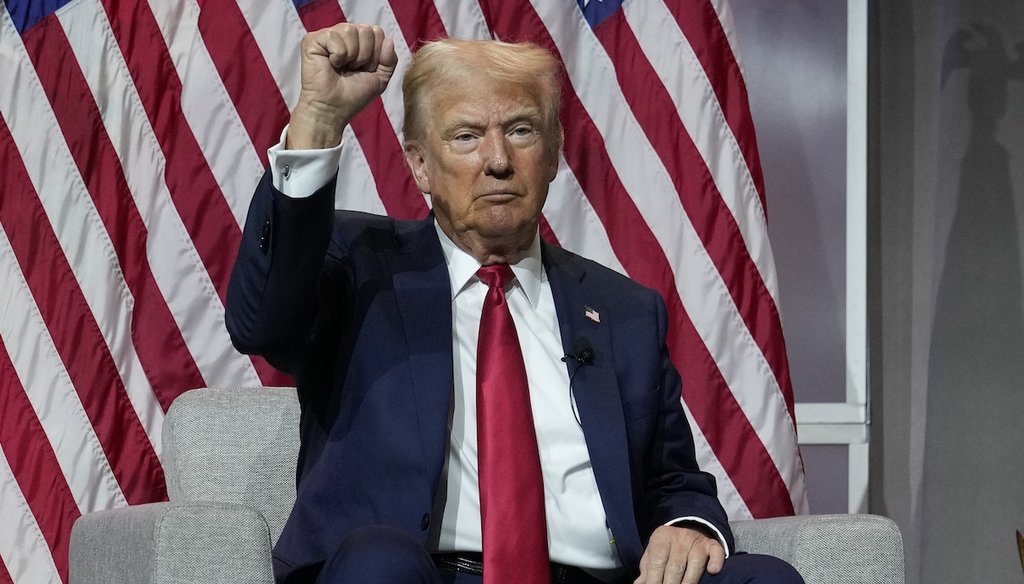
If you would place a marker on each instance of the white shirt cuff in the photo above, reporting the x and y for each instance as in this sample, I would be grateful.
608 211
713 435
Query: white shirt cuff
299 173
709 525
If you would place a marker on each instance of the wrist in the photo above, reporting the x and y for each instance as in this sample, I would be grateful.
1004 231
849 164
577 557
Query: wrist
314 126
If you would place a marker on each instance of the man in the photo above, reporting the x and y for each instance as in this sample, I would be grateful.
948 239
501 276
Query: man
465 388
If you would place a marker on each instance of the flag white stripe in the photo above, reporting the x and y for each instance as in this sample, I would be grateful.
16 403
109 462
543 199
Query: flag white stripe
278 32
574 221
53 396
463 19
22 547
176 266
682 75
356 190
76 223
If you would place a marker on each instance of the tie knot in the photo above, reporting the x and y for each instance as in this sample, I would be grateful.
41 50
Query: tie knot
495 275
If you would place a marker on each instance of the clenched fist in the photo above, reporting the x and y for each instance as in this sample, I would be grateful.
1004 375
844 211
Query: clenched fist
344 68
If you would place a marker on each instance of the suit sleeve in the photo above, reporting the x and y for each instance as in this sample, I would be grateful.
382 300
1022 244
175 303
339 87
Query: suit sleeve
675 486
279 272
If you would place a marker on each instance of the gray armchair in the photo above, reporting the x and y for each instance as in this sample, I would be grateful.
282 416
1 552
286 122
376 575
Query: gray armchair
229 456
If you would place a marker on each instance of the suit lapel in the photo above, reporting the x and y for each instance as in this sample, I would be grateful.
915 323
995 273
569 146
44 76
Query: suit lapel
423 293
596 391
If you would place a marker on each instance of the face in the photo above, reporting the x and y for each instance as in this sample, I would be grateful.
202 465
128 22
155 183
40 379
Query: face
486 158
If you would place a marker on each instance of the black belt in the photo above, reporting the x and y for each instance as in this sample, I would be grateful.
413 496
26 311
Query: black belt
472 563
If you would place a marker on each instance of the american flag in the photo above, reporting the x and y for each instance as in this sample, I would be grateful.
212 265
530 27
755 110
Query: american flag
132 133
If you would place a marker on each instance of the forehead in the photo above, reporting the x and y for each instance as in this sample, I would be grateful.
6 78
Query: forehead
487 98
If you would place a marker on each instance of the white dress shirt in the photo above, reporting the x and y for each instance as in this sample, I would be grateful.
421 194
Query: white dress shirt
577 530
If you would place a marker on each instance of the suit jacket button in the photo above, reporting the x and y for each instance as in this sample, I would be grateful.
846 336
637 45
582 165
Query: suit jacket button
425 522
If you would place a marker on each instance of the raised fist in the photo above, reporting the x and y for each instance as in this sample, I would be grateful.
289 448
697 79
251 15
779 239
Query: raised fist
344 68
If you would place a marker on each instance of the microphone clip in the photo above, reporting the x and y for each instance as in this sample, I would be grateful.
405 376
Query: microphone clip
583 356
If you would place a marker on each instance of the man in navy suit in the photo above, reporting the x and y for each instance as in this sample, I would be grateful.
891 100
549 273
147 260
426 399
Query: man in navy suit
378 321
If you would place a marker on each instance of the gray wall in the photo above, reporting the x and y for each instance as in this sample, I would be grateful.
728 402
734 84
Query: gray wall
948 359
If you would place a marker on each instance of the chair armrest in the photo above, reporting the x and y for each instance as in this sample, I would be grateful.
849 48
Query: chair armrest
171 543
829 549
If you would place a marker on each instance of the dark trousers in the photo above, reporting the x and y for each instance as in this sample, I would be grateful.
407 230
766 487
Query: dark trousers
384 555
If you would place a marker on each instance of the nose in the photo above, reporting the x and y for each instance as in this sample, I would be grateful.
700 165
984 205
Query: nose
495 153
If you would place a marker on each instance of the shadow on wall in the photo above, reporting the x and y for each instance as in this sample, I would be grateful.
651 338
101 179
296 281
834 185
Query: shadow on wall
974 466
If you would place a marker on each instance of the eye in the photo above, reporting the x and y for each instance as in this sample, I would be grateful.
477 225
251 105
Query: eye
463 142
522 131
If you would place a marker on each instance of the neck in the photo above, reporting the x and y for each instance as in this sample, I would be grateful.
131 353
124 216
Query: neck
494 252
508 249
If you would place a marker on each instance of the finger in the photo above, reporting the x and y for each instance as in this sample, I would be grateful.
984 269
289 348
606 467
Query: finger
696 560
341 44
675 570
716 558
652 565
388 55
364 49
378 42
677 563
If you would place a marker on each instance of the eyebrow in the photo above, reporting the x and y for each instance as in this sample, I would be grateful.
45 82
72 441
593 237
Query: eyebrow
527 114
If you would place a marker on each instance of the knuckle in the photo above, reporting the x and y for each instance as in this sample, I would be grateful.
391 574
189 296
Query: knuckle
675 568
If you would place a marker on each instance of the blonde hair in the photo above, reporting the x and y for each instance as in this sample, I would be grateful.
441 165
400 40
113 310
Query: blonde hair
448 62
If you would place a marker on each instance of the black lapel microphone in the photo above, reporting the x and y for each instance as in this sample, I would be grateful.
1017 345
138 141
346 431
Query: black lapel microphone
582 352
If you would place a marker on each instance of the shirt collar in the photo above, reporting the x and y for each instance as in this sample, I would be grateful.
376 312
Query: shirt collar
462 267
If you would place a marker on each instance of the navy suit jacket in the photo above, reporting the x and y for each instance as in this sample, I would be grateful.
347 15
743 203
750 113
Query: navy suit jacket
357 308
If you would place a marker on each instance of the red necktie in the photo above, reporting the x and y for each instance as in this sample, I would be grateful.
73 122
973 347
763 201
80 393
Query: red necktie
511 486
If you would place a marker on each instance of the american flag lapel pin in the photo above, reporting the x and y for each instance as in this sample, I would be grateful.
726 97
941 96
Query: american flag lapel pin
591 314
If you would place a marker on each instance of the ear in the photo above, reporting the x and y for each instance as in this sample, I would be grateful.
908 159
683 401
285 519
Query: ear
552 163
415 159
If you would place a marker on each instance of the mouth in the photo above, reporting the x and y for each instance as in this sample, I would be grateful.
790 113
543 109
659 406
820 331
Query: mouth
498 197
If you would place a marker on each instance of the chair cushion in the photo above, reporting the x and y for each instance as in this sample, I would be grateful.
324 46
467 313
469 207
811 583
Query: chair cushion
237 445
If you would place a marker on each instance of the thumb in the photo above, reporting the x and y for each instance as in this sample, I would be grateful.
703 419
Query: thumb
388 60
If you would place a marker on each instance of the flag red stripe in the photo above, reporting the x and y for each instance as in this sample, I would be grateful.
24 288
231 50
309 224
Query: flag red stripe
193 188
401 198
547 233
245 73
5 576
725 426
701 27
35 465
166 359
75 332
710 216
419 22
269 375
644 260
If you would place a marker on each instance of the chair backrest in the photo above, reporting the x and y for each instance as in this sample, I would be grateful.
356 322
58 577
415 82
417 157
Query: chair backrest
236 445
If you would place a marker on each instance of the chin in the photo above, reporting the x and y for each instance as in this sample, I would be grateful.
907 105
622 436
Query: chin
507 227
